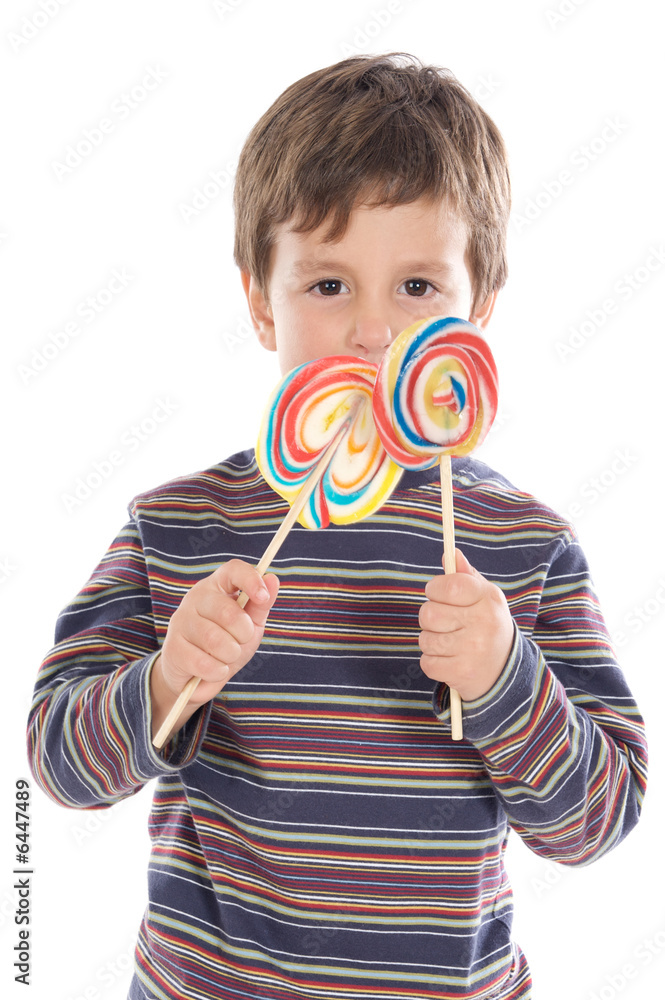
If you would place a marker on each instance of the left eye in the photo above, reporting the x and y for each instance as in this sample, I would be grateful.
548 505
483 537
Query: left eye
416 286
331 286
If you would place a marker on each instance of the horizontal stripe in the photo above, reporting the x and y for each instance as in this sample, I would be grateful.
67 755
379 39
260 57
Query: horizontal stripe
315 831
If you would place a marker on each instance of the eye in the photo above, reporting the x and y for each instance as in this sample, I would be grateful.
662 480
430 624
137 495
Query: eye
416 287
331 286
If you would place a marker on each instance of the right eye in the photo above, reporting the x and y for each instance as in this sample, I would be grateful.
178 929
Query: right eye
331 286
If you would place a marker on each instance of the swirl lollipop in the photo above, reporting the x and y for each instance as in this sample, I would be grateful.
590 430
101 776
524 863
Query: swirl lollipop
436 392
318 448
305 412
436 396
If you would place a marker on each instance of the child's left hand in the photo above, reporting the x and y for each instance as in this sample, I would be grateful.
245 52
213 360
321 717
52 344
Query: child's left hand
467 630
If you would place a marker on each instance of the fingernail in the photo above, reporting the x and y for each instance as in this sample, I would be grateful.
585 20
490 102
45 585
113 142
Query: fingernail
262 594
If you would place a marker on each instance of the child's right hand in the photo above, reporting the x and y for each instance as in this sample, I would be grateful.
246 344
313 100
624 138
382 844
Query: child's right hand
210 637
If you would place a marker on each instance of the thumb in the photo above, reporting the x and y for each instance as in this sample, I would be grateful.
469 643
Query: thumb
462 565
259 612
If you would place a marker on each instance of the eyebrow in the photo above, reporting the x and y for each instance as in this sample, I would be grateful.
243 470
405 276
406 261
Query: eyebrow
311 265
428 267
324 265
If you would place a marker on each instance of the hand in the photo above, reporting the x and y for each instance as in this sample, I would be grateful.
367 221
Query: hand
467 630
211 637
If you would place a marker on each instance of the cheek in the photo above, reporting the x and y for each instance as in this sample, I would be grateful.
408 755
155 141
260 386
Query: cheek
291 330
303 334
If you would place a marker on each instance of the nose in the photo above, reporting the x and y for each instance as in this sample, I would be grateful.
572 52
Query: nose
372 334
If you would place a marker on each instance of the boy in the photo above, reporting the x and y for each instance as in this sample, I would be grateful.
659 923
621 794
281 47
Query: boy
316 832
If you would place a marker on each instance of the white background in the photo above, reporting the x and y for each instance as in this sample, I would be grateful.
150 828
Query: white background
578 91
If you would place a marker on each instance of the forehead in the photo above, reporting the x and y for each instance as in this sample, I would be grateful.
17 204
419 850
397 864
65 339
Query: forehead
424 230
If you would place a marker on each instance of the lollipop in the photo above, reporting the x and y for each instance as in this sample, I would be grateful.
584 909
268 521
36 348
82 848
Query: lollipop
436 396
436 392
303 415
318 448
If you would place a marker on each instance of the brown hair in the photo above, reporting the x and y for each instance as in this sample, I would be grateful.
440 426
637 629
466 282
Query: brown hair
378 130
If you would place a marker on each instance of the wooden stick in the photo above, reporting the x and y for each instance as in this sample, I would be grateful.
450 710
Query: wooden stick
448 516
275 544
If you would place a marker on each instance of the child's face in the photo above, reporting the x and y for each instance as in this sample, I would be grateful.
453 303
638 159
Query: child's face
391 267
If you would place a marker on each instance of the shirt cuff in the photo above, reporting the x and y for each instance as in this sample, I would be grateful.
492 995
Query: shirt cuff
183 746
486 718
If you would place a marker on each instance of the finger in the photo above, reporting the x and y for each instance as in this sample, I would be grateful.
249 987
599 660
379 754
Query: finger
219 626
456 589
239 620
204 665
259 611
236 576
436 617
462 565
215 638
215 610
442 668
444 644
186 658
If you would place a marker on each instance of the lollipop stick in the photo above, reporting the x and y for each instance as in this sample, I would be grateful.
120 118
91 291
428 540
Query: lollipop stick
275 544
448 515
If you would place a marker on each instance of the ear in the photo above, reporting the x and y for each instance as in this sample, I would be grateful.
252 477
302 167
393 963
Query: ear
481 314
259 311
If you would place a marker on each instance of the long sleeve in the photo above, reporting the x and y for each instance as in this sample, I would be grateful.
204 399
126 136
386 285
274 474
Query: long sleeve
89 734
318 808
559 732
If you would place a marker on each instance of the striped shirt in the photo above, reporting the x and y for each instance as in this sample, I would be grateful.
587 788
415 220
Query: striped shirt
315 831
